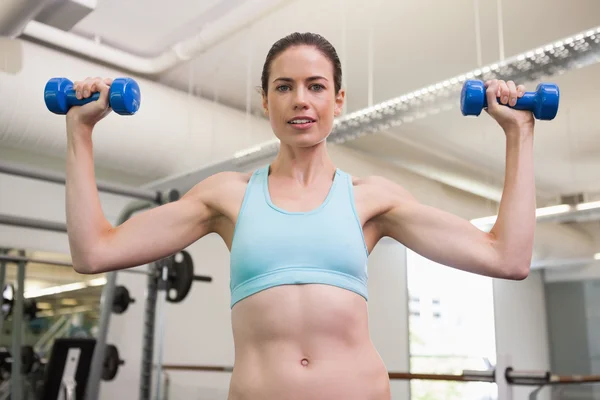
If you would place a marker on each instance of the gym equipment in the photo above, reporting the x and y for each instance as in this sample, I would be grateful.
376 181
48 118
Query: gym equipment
159 274
30 309
180 277
68 369
543 102
8 299
28 360
121 300
175 274
112 362
124 96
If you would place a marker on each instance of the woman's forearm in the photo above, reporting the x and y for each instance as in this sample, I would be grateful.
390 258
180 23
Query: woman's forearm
85 218
515 225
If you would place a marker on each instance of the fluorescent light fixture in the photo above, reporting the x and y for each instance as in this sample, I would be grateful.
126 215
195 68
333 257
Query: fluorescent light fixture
552 59
553 210
97 282
70 287
597 256
68 302
588 206
55 290
577 51
44 306
540 213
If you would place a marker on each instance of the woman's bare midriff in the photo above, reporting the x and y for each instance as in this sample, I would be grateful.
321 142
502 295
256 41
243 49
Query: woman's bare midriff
300 342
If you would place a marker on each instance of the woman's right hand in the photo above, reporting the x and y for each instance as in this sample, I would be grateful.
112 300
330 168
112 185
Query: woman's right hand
90 114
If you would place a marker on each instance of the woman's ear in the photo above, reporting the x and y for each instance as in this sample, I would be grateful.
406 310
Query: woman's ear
265 103
340 98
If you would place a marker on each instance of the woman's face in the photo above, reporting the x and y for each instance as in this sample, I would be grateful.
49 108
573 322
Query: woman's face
301 102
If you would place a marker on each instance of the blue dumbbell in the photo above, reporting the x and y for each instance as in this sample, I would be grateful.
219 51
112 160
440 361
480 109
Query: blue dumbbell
124 96
543 102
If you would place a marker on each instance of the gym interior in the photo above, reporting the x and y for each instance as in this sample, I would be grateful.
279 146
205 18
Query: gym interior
163 330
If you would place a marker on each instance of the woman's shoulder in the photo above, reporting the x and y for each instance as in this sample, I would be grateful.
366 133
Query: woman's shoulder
378 188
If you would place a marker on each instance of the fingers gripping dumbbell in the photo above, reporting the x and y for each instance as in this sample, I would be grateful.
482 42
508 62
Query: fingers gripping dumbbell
124 96
543 103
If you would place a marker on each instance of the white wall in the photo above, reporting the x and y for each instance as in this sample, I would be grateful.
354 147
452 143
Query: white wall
521 327
388 310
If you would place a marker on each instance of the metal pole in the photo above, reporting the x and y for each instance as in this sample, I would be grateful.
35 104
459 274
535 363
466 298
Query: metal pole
16 377
93 387
148 335
2 278
24 222
33 173
9 258
161 325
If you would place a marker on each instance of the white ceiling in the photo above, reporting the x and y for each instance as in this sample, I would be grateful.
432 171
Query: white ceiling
413 43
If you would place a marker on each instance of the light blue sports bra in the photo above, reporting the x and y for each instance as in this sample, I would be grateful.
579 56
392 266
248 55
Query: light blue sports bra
273 247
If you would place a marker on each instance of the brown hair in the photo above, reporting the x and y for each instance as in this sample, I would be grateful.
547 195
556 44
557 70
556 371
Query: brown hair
307 39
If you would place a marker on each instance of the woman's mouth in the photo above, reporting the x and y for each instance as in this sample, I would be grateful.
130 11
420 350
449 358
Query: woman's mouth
301 122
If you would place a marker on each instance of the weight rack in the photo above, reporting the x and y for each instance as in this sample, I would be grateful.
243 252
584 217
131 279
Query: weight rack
145 199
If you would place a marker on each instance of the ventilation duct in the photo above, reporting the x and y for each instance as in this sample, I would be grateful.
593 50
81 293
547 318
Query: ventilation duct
65 14
233 22
15 14
173 131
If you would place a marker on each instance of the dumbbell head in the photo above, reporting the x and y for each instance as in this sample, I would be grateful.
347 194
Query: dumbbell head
547 100
55 95
472 97
124 96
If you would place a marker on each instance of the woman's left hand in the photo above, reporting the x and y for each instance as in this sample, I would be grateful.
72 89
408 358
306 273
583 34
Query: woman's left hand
501 93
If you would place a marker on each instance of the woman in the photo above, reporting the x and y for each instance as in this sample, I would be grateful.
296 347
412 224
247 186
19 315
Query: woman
300 231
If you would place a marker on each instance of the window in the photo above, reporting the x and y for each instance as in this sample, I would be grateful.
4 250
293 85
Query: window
453 331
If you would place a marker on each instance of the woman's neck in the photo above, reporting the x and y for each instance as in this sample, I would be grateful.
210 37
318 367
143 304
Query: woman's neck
303 164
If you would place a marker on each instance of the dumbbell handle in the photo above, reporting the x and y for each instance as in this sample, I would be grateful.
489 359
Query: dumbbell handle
74 101
527 102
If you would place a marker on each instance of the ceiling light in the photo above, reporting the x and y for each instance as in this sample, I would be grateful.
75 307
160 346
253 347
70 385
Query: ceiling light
64 288
552 59
543 213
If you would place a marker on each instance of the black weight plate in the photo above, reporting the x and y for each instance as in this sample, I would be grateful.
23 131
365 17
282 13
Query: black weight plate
121 300
27 359
111 363
30 308
181 276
